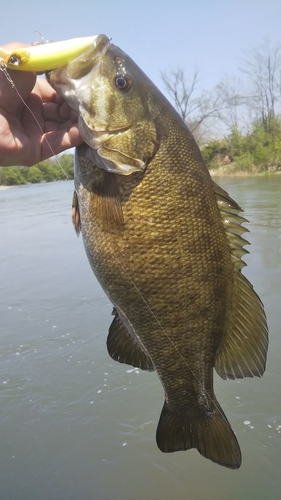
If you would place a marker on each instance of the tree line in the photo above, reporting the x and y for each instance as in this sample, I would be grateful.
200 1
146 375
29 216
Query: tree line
45 171
238 123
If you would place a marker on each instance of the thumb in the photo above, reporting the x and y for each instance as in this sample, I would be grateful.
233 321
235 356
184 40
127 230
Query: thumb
22 81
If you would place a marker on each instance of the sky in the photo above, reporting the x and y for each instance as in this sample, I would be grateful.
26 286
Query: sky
160 35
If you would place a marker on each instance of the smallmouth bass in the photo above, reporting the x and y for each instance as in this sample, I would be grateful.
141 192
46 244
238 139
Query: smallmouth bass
165 243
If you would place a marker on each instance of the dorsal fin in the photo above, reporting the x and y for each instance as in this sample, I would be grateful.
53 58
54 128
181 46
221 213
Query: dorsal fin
243 349
232 222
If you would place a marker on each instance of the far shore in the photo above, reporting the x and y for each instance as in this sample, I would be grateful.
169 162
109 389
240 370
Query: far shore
228 172
223 171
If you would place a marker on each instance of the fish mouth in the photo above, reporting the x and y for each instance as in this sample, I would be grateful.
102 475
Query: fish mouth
83 64
75 82
67 79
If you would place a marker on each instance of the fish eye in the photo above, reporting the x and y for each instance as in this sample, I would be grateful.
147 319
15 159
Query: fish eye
122 82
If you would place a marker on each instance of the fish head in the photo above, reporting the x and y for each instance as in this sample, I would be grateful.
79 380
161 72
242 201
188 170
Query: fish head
111 95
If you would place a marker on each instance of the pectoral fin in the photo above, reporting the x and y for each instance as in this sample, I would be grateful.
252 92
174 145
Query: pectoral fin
105 204
122 346
75 214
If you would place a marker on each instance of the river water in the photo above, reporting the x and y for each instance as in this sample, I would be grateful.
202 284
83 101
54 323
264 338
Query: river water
76 425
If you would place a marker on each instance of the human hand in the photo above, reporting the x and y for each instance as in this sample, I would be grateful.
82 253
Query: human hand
21 140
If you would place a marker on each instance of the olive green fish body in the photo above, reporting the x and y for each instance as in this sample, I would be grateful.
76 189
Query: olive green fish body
165 243
167 271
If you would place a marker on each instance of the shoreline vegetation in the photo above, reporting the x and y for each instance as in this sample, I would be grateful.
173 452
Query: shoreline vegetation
254 153
45 171
219 172
16 178
237 155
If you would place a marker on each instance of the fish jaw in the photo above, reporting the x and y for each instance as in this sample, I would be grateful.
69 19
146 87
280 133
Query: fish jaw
73 79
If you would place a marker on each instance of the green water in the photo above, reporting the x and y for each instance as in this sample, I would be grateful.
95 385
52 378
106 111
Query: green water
75 424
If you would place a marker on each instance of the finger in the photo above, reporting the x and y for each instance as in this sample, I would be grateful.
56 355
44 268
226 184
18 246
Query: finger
51 113
55 142
47 93
58 113
10 99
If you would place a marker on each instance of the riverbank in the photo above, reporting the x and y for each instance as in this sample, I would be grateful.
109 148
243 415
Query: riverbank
232 171
223 171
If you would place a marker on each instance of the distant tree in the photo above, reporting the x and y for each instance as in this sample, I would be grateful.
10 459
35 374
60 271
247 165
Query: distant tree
11 176
197 108
234 112
67 163
262 67
34 175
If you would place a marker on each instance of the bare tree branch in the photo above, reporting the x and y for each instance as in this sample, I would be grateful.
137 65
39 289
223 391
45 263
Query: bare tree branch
233 103
195 107
262 67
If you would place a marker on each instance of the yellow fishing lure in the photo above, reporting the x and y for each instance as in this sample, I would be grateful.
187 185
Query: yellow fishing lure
46 56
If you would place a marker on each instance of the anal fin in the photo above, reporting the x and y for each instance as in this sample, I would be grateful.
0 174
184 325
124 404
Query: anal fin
124 347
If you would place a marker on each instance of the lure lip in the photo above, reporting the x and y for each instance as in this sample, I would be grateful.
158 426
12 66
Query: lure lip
46 56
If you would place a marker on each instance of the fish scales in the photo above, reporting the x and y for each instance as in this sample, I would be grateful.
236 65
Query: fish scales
165 243
171 263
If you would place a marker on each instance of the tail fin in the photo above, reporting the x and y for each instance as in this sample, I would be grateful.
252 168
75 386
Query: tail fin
212 436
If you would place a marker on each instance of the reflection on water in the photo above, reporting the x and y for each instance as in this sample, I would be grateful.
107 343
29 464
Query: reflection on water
74 424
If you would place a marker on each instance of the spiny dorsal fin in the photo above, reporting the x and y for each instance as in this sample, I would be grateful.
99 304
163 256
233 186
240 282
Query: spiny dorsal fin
232 222
243 349
124 347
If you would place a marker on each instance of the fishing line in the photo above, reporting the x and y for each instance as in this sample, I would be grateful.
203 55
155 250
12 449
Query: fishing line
3 68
